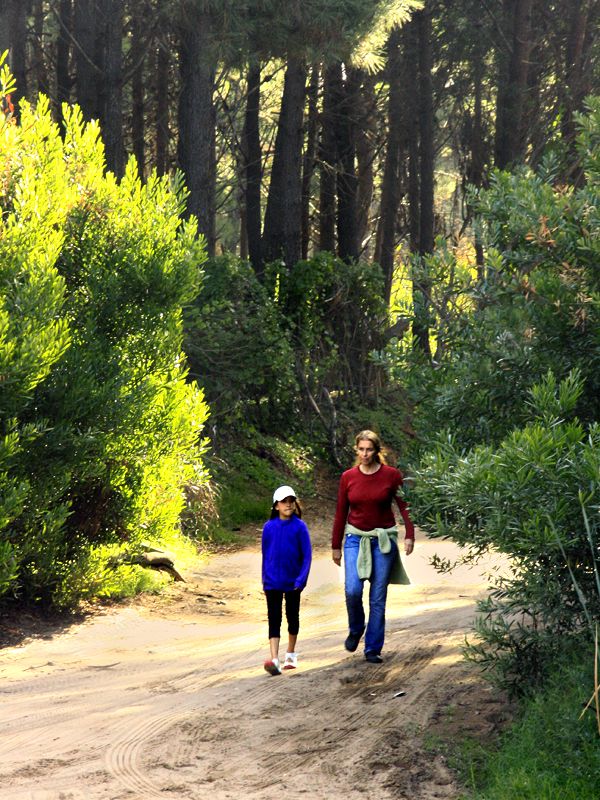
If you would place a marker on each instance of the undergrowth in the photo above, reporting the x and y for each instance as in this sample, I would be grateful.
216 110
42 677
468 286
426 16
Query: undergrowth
245 472
549 753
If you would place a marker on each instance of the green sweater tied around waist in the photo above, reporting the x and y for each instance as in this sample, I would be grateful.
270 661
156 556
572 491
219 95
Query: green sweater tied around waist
385 537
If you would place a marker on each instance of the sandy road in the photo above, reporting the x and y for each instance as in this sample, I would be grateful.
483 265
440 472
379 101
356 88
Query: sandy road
167 698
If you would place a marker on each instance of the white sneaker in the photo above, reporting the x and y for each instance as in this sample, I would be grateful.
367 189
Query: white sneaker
272 666
291 661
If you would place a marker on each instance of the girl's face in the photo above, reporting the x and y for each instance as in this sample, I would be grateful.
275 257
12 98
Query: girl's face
286 507
365 450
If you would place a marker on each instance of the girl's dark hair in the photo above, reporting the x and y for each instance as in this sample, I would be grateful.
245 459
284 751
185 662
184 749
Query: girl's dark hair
372 437
297 510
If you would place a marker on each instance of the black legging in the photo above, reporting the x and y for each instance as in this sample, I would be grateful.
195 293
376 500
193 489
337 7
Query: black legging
292 611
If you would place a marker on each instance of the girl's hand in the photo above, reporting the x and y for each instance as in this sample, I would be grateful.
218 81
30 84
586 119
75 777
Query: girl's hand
409 545
337 557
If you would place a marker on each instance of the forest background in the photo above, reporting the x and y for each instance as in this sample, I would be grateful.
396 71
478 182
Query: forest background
329 215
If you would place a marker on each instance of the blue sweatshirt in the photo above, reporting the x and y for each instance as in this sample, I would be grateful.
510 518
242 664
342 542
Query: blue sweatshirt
287 554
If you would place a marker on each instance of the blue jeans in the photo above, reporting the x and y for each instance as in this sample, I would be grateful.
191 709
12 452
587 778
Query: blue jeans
382 565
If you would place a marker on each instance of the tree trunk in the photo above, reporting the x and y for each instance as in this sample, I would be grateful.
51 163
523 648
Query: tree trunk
390 189
253 171
512 86
5 12
347 181
477 158
39 64
475 169
138 105
308 163
110 59
366 136
576 83
282 236
476 145
63 54
197 122
244 255
421 287
162 108
86 68
426 124
327 159
411 108
13 37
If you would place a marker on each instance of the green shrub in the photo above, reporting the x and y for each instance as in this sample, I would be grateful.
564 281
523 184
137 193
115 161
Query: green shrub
494 474
334 313
238 348
534 307
99 428
549 753
253 466
534 497
286 355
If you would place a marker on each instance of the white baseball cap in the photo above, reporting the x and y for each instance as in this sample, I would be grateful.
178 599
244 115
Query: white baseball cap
282 493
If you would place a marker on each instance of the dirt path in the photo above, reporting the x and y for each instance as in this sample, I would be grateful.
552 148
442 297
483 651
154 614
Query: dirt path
167 697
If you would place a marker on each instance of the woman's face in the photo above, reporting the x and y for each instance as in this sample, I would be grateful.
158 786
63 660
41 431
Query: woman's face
366 451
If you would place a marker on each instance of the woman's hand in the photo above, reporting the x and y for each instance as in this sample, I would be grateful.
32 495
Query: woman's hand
337 557
409 545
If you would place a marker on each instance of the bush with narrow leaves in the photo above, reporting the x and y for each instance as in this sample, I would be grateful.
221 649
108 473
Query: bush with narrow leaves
535 498
99 428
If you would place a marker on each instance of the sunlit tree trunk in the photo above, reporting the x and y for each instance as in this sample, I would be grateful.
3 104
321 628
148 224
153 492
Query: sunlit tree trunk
366 135
476 171
39 65
308 162
327 165
346 177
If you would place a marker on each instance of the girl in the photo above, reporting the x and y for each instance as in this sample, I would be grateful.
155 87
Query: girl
286 559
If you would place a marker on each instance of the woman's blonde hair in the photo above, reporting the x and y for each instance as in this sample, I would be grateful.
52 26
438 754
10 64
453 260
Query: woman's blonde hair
372 437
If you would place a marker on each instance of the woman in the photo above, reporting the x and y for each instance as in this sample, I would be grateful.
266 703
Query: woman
364 514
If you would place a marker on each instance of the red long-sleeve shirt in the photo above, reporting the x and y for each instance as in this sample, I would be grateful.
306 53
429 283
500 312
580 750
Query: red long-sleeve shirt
365 501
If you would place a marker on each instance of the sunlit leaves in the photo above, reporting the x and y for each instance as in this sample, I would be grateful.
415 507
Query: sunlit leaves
99 427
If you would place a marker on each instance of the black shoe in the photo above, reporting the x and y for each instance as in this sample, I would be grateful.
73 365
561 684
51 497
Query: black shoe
373 658
352 641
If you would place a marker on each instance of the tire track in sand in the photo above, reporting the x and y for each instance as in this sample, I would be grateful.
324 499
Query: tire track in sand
123 759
